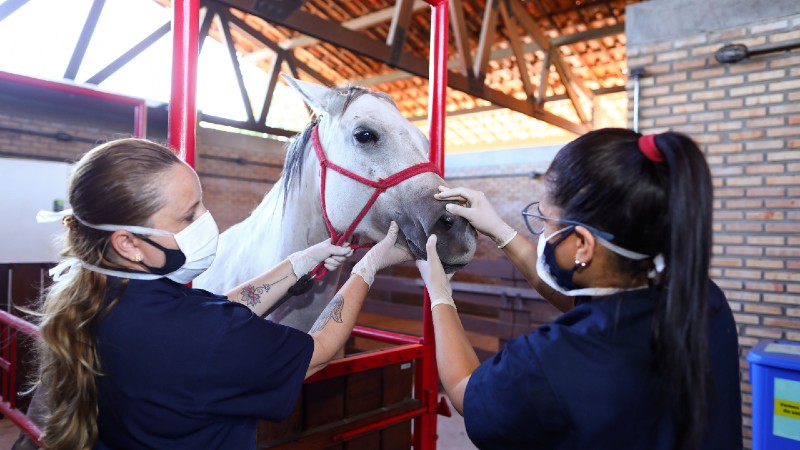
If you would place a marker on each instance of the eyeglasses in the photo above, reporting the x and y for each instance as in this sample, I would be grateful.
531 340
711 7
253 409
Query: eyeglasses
534 220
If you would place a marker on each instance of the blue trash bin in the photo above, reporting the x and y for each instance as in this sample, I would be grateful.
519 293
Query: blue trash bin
775 378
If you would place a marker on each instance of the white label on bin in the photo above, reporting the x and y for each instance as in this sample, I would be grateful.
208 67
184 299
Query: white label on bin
786 420
783 348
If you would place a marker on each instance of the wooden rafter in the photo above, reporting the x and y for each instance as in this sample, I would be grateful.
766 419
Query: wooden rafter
574 89
399 27
516 46
498 54
350 40
274 71
359 23
133 52
224 16
486 39
460 36
83 40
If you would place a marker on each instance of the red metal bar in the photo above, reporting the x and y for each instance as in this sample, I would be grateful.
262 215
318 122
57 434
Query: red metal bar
385 423
427 379
139 105
21 421
12 374
11 326
8 389
182 104
385 336
19 324
368 361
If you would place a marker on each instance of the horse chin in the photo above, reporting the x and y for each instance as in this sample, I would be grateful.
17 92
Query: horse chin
419 253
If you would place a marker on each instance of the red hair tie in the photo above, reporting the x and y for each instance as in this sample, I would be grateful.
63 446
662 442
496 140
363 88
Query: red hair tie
647 145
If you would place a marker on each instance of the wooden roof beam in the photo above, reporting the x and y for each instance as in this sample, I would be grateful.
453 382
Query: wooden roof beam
573 88
453 63
488 28
460 37
514 40
340 36
396 37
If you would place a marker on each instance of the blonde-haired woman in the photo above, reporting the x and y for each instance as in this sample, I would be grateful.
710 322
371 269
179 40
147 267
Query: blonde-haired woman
133 358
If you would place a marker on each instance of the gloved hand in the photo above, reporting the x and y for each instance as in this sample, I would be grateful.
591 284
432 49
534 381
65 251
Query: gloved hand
436 281
479 212
332 255
382 255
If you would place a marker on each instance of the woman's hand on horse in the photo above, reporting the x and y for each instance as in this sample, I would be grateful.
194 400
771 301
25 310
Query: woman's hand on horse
478 211
382 255
436 281
332 255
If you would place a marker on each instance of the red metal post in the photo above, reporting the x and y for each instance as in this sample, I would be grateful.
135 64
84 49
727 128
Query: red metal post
182 105
427 376
12 325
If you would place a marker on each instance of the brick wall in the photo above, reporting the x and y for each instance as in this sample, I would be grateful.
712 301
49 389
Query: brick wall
235 170
509 187
746 117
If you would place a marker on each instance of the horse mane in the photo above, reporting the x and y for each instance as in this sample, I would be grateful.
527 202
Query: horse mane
296 150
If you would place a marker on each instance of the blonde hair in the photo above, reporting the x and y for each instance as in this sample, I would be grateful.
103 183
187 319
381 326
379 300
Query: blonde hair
114 183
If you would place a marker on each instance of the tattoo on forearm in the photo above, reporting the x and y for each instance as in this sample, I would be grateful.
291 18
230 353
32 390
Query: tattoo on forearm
332 311
251 295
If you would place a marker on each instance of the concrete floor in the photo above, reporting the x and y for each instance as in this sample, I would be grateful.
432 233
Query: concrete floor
8 433
451 434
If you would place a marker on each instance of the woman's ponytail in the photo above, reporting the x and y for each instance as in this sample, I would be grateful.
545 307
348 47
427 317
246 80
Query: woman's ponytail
680 334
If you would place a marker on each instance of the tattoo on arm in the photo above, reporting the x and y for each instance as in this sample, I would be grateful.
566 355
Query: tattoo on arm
332 311
251 295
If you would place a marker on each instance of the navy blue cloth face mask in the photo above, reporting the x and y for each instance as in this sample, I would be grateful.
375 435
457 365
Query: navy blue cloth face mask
174 259
561 276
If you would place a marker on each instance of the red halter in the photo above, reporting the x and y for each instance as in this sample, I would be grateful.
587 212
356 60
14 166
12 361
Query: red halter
380 186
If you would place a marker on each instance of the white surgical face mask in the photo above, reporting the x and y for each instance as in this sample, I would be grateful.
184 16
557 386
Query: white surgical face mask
546 275
197 243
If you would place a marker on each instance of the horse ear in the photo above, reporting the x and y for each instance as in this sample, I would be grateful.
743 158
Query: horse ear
317 96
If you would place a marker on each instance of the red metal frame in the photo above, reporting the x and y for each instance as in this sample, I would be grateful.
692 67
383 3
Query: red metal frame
138 104
10 326
182 104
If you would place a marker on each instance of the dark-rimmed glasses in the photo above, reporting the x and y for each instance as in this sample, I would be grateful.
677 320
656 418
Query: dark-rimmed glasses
534 220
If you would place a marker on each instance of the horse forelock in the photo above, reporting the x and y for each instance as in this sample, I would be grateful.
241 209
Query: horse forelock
295 155
352 93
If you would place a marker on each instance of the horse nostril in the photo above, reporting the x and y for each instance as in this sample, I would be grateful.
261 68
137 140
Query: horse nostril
447 221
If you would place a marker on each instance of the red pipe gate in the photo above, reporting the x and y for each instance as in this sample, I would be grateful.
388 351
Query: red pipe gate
182 122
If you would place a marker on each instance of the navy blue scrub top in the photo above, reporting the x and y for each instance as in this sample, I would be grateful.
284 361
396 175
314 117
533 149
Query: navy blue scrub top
585 382
185 369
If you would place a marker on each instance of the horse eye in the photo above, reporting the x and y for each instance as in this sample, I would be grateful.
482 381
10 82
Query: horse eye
365 136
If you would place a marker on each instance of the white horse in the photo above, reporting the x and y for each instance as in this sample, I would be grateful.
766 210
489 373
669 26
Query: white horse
363 132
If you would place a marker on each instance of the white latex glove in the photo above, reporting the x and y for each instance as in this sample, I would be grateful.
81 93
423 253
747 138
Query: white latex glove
382 255
436 281
479 212
332 255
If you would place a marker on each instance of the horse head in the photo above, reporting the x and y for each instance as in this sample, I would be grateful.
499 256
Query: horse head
363 133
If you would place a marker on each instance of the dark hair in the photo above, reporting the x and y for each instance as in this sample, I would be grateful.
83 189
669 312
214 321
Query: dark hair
115 183
604 180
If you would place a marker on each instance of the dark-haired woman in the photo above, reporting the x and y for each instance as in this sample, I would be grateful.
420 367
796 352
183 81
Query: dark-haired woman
646 354
133 358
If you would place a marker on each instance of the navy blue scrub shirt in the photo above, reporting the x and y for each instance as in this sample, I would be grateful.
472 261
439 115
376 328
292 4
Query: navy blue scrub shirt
586 382
185 369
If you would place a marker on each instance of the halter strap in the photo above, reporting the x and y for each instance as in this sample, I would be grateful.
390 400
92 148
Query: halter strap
381 185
